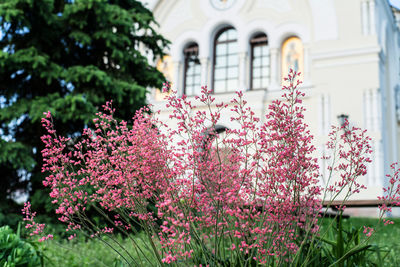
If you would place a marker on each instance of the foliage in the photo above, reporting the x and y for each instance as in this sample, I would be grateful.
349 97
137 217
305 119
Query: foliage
86 252
15 251
68 57
385 238
343 246
7 218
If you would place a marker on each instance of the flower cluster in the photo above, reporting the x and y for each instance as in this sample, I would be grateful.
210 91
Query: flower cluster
34 227
113 169
391 192
204 194
254 188
350 148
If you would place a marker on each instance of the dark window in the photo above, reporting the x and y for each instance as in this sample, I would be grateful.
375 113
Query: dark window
192 70
226 61
260 63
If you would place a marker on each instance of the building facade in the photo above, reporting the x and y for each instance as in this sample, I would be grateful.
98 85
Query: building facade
348 52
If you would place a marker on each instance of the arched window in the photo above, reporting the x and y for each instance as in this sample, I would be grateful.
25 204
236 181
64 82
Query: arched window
192 70
226 62
260 63
292 56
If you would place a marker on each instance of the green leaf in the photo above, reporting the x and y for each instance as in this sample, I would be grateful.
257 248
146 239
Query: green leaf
350 253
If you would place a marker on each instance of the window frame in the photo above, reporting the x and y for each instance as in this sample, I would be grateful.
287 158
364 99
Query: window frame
258 39
214 62
194 49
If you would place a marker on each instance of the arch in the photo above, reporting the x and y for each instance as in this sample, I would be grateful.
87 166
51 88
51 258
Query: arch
213 26
182 41
253 28
284 31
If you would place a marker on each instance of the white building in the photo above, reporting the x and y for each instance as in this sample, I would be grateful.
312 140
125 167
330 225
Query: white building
348 51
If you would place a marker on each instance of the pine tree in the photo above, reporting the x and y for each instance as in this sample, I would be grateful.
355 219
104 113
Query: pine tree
69 57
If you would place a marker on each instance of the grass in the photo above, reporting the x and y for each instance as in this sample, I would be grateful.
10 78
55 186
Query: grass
92 252
385 237
81 252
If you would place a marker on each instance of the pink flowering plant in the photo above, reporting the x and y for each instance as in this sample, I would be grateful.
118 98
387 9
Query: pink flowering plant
249 196
33 227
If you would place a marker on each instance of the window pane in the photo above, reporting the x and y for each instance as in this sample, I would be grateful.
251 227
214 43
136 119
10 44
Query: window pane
232 35
189 70
223 36
220 73
256 72
197 80
232 85
220 61
193 70
221 49
265 50
232 48
219 86
257 62
257 51
233 60
265 61
265 71
233 72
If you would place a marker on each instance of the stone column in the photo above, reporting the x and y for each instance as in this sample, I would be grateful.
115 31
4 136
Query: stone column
177 82
364 17
243 77
204 80
306 75
371 5
275 73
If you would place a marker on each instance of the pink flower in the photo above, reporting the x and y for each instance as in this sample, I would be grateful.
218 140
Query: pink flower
368 231
256 184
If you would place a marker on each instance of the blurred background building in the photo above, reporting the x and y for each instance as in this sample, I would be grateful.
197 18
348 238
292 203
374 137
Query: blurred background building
348 53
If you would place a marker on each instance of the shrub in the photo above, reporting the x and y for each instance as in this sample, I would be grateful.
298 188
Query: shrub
248 197
15 251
